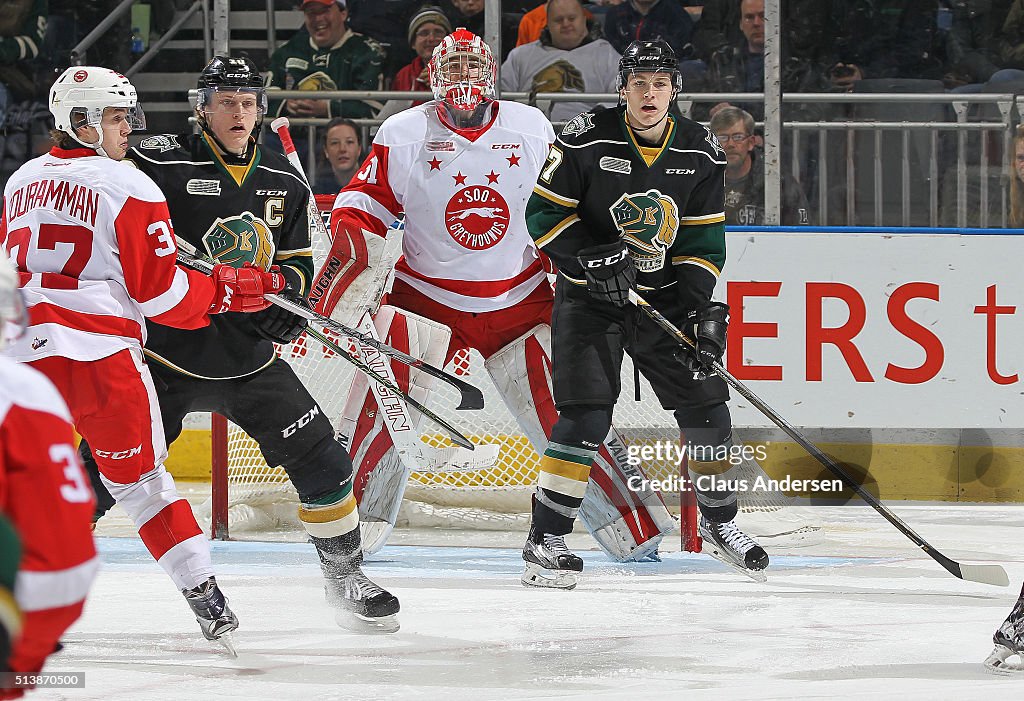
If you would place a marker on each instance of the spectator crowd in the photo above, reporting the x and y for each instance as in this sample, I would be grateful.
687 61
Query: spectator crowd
566 46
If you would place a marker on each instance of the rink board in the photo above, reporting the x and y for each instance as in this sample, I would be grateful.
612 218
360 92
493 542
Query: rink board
856 333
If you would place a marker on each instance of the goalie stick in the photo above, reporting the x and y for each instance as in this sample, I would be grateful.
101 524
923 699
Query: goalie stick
204 266
985 574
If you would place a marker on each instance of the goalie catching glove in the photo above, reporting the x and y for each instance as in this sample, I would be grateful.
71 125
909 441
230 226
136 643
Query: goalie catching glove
706 327
610 272
242 289
276 323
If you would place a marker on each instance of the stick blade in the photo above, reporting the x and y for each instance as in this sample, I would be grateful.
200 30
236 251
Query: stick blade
472 397
985 574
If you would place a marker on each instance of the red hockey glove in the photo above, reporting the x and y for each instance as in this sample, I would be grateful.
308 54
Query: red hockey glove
242 289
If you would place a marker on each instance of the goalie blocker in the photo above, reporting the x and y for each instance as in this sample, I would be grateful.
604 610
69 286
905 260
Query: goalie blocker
628 525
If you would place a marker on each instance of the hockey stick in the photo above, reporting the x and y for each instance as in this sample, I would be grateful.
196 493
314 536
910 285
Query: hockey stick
471 397
985 574
204 266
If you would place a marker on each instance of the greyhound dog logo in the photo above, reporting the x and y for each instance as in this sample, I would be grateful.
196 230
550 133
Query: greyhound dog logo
477 217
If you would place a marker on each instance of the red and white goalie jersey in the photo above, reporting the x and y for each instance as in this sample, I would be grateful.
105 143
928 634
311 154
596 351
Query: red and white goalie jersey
46 495
465 244
93 244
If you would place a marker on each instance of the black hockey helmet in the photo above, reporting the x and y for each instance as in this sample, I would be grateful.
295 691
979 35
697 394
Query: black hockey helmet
649 57
237 73
232 74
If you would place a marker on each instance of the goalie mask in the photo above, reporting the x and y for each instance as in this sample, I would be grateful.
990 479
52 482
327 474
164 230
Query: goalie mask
462 72
81 93
13 317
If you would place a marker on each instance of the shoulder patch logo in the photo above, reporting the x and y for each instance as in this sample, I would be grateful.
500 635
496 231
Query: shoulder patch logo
648 223
713 140
195 186
296 63
579 124
239 240
163 142
615 165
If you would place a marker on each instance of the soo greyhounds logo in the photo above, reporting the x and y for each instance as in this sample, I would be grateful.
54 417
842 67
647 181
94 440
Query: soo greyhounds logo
477 217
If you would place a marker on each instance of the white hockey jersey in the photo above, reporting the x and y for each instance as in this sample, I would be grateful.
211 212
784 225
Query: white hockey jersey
464 196
94 247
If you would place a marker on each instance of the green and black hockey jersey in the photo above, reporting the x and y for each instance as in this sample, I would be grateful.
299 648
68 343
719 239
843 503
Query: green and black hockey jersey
666 201
237 210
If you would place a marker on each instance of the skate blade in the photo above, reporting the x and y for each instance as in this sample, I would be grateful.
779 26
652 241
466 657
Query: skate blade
228 641
536 576
996 662
382 625
758 576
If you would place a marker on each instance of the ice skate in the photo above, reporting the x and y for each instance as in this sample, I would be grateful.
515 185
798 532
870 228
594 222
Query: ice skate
362 606
728 544
215 619
1009 643
549 563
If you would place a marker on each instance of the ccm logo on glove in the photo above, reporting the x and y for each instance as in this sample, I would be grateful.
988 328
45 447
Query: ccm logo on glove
610 260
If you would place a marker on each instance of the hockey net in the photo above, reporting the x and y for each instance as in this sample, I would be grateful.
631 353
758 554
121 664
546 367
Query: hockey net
260 498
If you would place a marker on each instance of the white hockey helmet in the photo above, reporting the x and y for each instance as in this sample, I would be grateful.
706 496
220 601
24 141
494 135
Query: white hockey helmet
462 71
80 95
13 317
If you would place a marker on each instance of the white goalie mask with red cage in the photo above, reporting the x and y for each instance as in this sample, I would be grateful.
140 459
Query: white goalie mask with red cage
463 71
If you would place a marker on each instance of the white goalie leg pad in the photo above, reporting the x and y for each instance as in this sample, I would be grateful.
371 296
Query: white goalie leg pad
627 524
354 274
382 439
624 514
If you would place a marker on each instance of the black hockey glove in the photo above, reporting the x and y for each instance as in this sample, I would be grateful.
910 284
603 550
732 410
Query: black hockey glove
707 327
610 272
278 324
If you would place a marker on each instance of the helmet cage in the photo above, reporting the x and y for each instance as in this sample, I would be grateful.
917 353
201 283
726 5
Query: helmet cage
462 71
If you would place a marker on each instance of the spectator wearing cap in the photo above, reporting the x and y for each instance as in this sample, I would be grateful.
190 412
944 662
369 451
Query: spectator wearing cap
426 30
327 56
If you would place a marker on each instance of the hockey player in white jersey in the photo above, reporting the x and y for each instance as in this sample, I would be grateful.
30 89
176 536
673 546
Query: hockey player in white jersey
94 247
461 168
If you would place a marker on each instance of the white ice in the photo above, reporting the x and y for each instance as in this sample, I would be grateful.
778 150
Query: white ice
855 613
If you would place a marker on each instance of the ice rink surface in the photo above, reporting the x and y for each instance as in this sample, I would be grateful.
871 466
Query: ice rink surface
853 611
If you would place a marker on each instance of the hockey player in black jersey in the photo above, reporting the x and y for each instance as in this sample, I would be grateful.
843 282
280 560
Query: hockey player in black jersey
240 204
632 197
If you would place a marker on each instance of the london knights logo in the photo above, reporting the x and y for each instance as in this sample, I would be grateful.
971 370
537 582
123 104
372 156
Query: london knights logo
239 240
647 222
